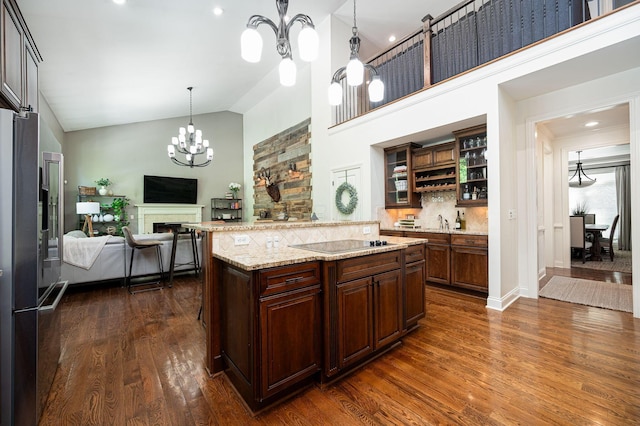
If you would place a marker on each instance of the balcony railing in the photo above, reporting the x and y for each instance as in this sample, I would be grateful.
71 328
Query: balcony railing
471 34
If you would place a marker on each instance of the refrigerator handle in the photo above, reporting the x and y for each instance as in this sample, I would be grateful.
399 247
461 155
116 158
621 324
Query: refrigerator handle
54 305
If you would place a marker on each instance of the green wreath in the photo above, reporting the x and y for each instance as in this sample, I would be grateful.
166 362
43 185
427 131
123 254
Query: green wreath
353 198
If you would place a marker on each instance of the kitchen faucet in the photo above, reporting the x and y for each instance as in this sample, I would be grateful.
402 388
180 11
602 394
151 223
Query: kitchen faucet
446 225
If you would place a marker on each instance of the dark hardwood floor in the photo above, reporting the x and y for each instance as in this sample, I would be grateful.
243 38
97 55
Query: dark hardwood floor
138 359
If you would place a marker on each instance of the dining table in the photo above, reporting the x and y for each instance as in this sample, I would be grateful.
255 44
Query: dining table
595 229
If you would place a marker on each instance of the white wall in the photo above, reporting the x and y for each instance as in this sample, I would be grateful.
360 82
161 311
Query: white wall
126 153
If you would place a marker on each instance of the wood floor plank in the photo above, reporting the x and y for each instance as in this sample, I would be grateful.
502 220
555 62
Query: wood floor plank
139 360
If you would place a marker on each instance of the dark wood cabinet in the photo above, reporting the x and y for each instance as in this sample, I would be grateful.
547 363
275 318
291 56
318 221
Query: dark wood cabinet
271 338
458 259
414 277
369 315
355 321
438 258
290 339
434 168
399 184
471 145
19 59
470 262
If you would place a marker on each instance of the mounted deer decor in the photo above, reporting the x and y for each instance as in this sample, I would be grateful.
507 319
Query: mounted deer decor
270 185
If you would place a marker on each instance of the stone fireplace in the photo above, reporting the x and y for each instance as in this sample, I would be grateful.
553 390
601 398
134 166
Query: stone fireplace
148 214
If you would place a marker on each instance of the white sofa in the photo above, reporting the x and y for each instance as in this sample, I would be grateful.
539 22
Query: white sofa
112 261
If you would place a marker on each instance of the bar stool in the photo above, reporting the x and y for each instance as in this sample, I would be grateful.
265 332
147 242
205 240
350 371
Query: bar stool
141 245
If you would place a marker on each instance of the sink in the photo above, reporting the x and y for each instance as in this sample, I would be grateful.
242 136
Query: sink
340 246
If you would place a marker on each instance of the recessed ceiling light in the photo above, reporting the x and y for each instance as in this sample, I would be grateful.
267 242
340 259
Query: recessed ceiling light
119 1
591 124
217 11
392 38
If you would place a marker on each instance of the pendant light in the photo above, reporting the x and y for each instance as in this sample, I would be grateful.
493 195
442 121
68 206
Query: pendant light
251 42
354 72
189 142
580 178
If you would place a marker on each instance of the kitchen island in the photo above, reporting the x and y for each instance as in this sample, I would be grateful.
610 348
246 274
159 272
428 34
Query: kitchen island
281 318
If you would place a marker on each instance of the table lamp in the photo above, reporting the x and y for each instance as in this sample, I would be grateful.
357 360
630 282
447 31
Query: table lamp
87 208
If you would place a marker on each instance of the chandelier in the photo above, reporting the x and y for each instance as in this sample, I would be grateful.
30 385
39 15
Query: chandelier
251 42
580 181
354 72
189 142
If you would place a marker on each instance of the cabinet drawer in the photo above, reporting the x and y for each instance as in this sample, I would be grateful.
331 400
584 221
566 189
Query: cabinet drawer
436 238
414 253
291 277
364 266
469 240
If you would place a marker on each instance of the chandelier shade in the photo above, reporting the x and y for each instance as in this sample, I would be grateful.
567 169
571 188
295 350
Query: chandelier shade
580 178
251 41
189 142
354 72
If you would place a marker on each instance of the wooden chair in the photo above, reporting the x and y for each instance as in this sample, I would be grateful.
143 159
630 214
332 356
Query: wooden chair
607 243
590 218
579 242
141 245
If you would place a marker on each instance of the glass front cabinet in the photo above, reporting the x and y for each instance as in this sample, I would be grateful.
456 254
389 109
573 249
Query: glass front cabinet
471 145
399 177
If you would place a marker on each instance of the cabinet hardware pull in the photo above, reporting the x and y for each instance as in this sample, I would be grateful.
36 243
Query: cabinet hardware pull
293 280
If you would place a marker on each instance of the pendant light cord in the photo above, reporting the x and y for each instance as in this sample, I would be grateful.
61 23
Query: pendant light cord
354 30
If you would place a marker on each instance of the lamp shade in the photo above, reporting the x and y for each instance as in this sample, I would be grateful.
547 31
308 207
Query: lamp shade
251 45
376 89
335 93
88 207
287 71
355 72
308 44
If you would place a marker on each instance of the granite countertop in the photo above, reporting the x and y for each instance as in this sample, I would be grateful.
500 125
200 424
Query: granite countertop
284 224
252 259
433 230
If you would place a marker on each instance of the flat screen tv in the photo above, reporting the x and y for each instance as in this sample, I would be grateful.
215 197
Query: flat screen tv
170 190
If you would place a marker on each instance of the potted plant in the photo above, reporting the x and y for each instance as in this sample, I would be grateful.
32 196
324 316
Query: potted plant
580 209
119 215
103 183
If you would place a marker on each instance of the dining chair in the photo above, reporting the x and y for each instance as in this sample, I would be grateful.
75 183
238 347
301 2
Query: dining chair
141 245
607 243
579 242
590 218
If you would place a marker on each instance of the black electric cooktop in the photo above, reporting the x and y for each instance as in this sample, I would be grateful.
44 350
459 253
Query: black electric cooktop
341 246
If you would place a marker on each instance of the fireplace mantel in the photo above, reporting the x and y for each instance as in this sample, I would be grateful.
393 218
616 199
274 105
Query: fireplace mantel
150 213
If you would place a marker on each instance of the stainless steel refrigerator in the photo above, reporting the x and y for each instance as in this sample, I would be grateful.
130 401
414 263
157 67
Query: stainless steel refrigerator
30 259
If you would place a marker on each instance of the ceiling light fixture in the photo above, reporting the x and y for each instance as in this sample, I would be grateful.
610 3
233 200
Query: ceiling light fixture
119 1
218 11
581 181
189 142
251 42
354 72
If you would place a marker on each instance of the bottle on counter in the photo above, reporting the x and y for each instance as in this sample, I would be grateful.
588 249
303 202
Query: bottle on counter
474 195
463 222
458 221
466 195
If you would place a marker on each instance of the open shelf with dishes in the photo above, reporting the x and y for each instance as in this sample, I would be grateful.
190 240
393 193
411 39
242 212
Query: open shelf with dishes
472 167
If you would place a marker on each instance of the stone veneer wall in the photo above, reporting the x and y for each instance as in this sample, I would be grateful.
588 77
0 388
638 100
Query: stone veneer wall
223 240
276 154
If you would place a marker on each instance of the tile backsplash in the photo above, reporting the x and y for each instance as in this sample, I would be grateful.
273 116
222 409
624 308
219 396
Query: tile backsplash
434 204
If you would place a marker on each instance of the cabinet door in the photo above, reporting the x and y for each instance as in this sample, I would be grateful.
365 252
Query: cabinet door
399 177
444 154
414 293
11 50
355 321
290 339
470 268
31 79
438 263
388 307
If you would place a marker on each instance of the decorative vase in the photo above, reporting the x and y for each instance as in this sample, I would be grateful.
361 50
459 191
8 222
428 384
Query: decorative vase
95 218
102 190
109 192
101 218
108 217
235 193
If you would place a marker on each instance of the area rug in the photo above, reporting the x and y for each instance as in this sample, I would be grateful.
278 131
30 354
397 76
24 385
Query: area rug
621 262
591 293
